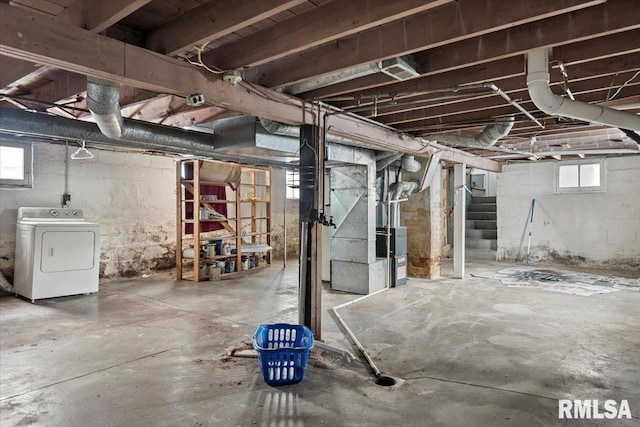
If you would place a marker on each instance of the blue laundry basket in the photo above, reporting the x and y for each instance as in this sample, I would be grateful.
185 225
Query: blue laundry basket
283 350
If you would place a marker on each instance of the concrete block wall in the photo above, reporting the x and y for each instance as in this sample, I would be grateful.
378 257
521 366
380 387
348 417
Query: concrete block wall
580 228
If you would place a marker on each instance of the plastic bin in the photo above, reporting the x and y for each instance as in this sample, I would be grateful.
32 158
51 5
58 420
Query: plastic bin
283 350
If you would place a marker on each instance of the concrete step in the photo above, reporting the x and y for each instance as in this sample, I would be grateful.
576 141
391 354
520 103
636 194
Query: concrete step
481 243
481 234
483 224
483 200
482 215
489 255
481 207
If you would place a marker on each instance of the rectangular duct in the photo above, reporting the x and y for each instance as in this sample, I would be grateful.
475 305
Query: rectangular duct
399 69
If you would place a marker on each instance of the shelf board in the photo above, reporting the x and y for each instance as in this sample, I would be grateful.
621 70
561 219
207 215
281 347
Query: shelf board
191 221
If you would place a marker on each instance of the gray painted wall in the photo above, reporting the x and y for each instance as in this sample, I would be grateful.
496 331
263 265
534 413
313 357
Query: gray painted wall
586 228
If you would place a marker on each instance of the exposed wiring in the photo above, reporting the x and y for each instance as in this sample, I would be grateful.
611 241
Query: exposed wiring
609 98
199 49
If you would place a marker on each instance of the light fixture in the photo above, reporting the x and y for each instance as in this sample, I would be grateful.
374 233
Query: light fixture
232 76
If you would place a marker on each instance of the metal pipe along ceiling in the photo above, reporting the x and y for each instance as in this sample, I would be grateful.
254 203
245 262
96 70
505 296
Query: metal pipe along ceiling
485 139
159 138
103 98
550 103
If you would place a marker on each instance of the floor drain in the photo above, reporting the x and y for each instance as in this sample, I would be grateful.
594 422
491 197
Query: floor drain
385 381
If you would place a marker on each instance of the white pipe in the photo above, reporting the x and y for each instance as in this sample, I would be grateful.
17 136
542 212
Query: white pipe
410 164
541 95
403 187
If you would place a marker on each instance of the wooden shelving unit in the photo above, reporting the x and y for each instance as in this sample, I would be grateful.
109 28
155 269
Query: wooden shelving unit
245 229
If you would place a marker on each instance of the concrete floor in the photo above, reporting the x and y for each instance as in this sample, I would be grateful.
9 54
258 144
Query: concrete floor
152 352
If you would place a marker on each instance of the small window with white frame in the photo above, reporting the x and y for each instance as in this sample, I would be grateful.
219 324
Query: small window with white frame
293 184
579 176
16 163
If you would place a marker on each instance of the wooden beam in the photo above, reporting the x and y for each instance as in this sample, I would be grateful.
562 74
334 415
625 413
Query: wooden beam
91 15
212 21
97 16
330 21
451 22
559 30
516 89
436 124
35 38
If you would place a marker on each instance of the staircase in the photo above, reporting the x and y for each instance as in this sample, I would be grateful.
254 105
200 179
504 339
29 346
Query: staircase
481 239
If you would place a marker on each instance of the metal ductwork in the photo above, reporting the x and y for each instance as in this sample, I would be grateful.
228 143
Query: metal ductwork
103 101
152 137
485 139
550 103
277 128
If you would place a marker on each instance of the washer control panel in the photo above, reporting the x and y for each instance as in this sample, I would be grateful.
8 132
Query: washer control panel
58 214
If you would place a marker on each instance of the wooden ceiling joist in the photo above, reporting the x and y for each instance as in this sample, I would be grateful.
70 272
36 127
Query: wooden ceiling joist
212 21
331 21
436 27
29 37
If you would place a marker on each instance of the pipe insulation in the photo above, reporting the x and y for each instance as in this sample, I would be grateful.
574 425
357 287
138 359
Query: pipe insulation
556 105
485 139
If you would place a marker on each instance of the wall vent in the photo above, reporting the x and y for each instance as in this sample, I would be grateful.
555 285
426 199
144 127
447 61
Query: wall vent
398 68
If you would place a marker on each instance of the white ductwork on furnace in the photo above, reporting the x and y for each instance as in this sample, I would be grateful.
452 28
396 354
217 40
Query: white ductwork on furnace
550 103
410 164
403 188
485 139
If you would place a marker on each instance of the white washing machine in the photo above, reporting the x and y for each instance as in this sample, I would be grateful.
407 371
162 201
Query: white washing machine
57 253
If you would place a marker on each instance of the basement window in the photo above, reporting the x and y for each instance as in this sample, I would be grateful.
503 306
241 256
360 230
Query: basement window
293 184
16 164
578 177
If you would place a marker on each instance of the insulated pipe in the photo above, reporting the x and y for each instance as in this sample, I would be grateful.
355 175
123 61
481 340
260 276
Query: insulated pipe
403 187
485 139
550 103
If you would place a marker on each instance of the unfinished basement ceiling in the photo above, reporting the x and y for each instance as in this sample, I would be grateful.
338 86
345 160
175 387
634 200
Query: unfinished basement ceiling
417 67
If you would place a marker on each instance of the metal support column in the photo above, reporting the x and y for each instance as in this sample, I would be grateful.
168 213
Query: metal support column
311 191
459 218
